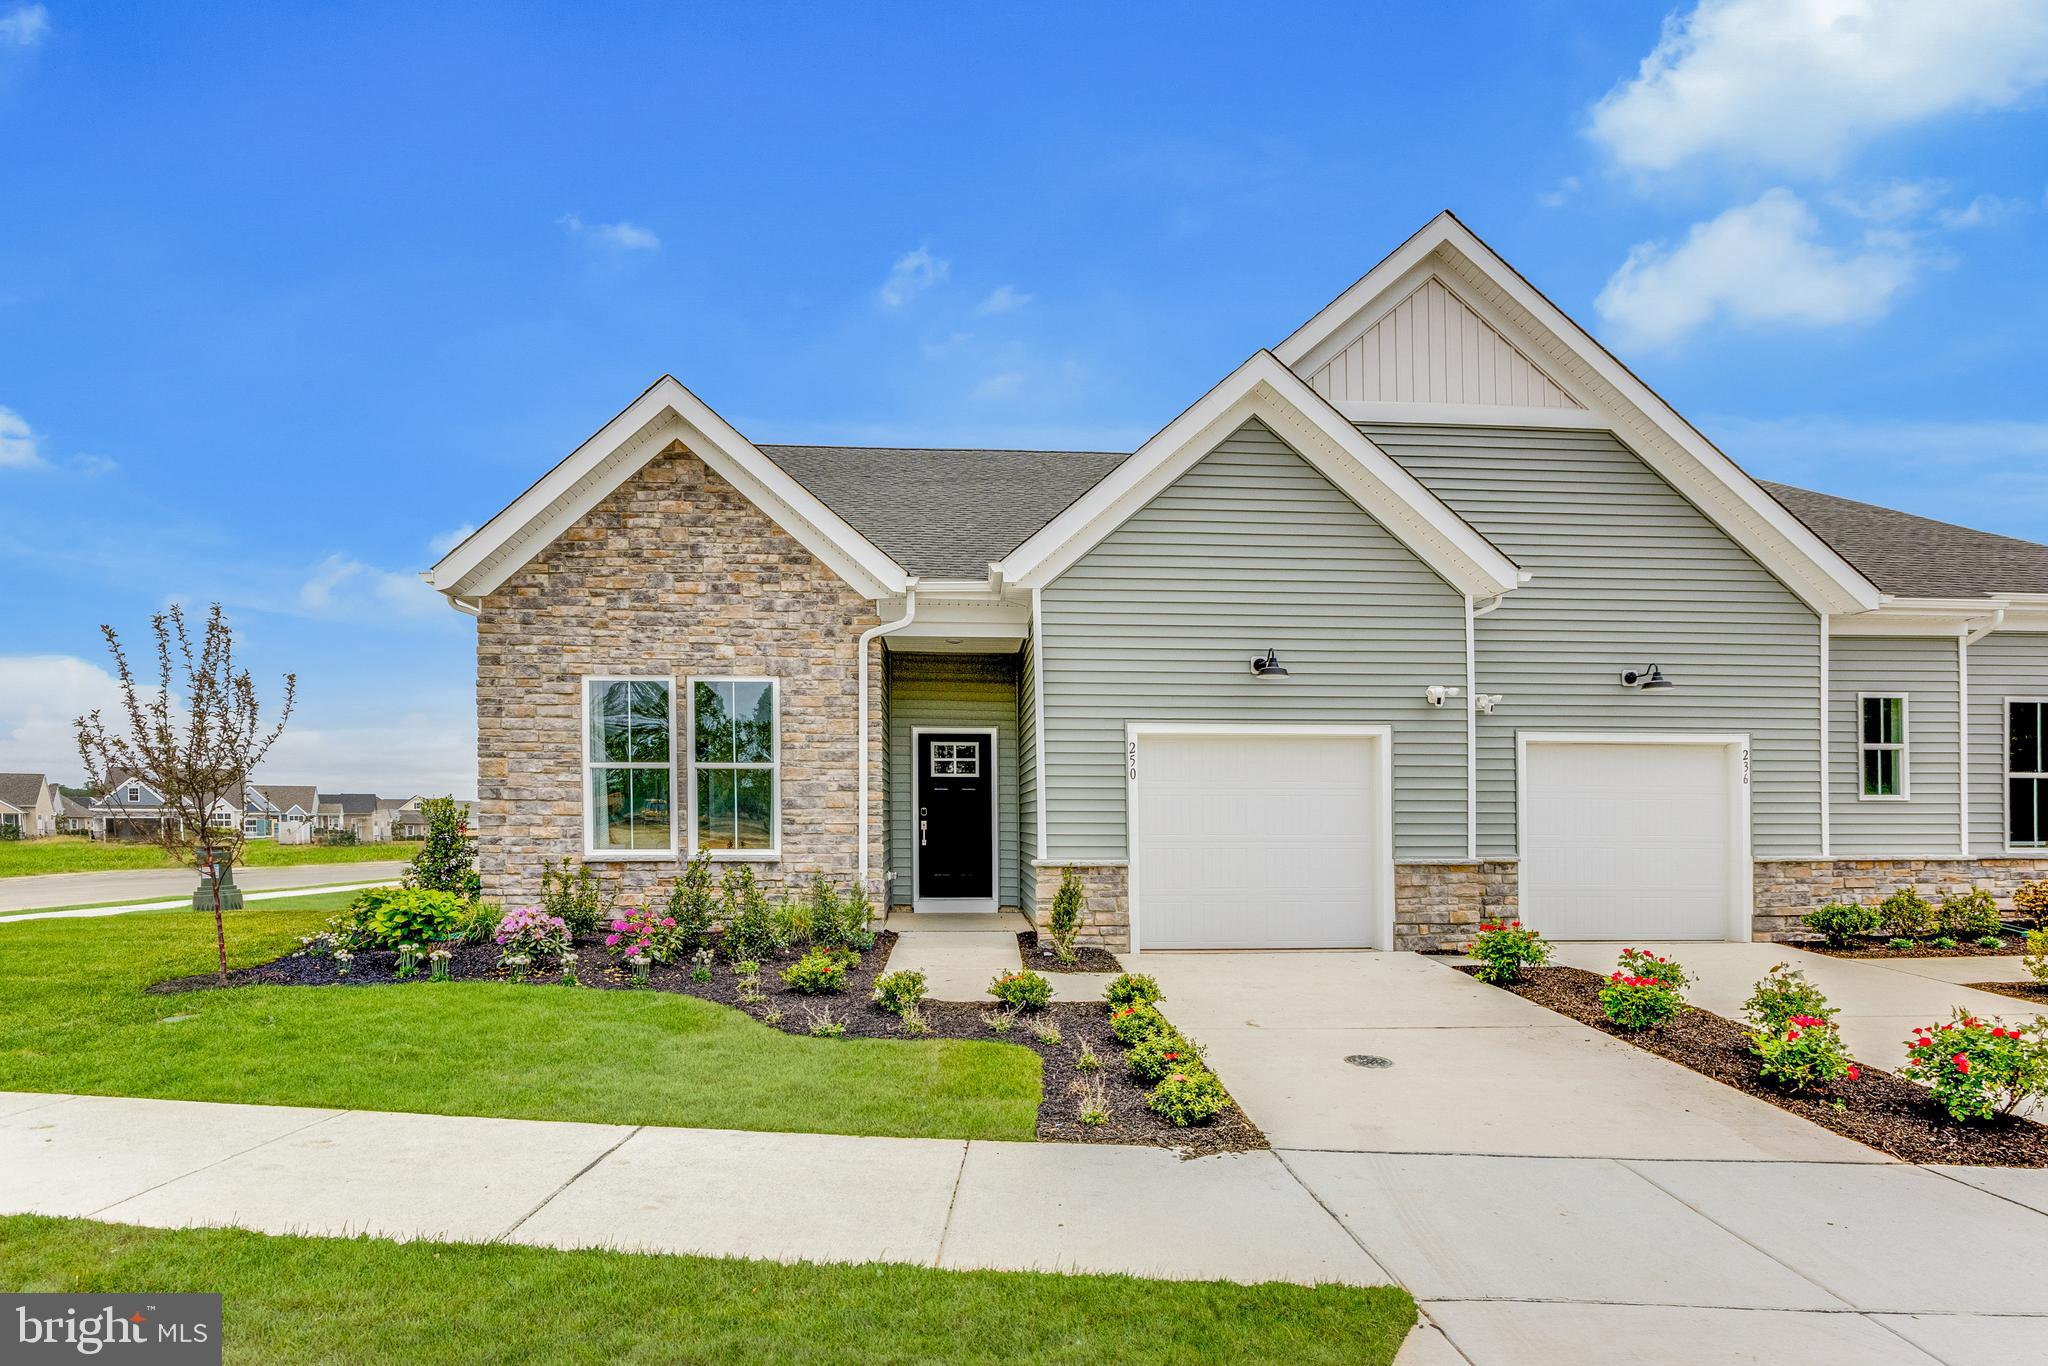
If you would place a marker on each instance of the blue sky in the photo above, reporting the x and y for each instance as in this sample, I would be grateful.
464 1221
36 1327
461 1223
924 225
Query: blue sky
291 294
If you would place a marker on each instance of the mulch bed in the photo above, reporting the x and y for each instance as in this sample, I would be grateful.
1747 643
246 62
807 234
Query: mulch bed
2010 941
1087 958
792 1012
1884 1111
2036 992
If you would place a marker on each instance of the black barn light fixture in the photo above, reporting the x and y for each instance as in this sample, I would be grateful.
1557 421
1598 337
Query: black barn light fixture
1269 666
1646 680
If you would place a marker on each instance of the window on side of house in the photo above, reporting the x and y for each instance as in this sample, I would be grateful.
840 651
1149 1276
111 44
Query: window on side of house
1881 746
135 792
629 767
2026 773
735 767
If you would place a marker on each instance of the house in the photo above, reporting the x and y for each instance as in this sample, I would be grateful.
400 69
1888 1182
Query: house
130 809
25 806
1431 611
360 812
74 817
279 807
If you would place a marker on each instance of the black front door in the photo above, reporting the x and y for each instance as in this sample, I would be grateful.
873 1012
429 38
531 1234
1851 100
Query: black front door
955 789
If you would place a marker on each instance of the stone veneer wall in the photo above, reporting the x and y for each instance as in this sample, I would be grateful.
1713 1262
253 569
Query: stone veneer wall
1108 922
1440 905
675 573
1787 890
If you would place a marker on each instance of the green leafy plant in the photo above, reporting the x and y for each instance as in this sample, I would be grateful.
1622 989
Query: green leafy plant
900 991
1085 1059
1840 922
446 861
385 917
1152 1059
1899 943
1966 915
1188 1097
2030 899
790 923
1021 990
1069 910
1988 941
1643 963
1906 914
1091 1102
1946 941
478 921
579 898
816 973
693 905
1132 989
913 1022
1506 951
2036 960
749 924
1134 1022
1781 994
1979 1070
1637 1003
1805 1053
840 921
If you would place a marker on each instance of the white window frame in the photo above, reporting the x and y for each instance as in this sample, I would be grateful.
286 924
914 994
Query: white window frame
688 768
2005 767
591 852
1863 747
135 792
248 821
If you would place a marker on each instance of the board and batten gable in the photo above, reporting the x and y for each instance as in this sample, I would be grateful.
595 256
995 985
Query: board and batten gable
1923 670
1626 572
949 691
2005 664
1251 548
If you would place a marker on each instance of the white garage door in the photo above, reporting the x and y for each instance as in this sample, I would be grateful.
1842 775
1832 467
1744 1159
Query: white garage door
1258 841
1629 841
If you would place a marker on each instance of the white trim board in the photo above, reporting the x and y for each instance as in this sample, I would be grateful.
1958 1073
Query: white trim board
973 905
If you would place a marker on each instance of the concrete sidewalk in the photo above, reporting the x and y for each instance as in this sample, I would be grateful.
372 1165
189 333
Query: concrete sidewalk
251 898
45 890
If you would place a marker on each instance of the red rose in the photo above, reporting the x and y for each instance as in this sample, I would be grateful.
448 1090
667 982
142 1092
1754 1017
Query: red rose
1855 1072
1962 1063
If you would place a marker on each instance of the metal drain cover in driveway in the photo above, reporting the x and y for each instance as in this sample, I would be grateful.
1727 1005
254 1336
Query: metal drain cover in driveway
1369 1060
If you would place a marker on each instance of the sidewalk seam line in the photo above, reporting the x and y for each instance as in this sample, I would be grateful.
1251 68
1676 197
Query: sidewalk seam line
952 1202
228 1157
1670 1194
574 1177
1342 1227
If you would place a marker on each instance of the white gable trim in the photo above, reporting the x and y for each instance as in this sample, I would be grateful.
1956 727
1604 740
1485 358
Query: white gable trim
1591 374
665 413
1264 388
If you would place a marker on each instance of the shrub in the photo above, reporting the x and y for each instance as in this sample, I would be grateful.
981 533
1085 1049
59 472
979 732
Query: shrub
1184 1098
1898 943
1969 914
643 930
790 923
578 899
1905 914
1643 963
1805 1053
1635 1003
446 861
2036 961
1782 994
1840 922
1021 990
1069 909
998 1021
814 973
385 917
1048 1034
899 991
821 1023
693 905
1947 942
1977 1070
914 1023
531 933
1504 951
1153 1058
2030 899
749 925
1989 941
840 921
1132 989
1131 1023
478 921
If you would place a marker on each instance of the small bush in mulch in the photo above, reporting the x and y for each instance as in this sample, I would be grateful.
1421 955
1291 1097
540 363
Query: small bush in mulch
2010 940
1087 958
1884 1111
2036 992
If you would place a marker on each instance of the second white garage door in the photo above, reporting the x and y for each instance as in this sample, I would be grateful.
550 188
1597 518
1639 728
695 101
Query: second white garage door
1633 840
1259 840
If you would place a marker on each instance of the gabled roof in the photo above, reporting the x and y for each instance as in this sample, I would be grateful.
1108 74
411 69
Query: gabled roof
350 803
22 790
664 414
1591 376
1264 388
285 796
1917 557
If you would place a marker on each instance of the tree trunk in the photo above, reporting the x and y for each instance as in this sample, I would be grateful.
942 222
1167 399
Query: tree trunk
220 929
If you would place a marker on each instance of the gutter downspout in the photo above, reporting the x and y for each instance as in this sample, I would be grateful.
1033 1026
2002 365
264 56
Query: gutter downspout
1963 643
1827 825
1472 614
868 637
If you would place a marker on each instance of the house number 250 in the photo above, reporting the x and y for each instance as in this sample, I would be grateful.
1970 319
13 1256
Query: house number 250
1131 760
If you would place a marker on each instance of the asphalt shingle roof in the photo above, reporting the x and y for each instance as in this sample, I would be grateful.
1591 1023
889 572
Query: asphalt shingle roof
1918 557
21 790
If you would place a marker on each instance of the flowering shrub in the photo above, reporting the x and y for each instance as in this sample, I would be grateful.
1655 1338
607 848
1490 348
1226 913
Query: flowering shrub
1805 1054
1905 914
2036 961
1021 990
577 899
1505 950
1969 914
1132 989
1131 1023
533 933
645 930
2030 899
1783 993
1840 922
897 992
1639 1002
1643 963
815 973
1153 1058
1190 1097
1979 1070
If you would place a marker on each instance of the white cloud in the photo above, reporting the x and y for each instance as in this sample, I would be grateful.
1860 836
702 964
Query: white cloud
1985 211
24 26
913 273
1901 199
345 587
17 443
1557 198
1003 299
1757 263
93 466
620 236
1798 85
40 696
448 540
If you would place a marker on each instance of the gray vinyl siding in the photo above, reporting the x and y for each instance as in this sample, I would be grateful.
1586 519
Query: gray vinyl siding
1251 548
1923 671
1626 573
2004 664
1027 778
969 691
880 672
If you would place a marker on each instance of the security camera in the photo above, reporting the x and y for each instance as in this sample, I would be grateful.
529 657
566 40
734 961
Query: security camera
1436 694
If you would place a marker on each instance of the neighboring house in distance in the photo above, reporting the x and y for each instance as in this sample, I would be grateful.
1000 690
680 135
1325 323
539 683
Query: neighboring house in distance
74 817
129 809
286 804
25 805
357 811
409 821
1431 612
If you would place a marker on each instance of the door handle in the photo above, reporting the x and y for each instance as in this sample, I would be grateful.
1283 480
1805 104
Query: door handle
920 834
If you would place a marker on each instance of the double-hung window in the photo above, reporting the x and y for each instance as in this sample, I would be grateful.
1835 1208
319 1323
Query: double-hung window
629 767
2026 773
735 774
1881 747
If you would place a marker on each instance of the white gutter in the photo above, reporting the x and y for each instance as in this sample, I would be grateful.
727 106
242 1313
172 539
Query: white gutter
1827 848
868 637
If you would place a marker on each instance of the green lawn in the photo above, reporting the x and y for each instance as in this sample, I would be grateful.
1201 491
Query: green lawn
77 854
366 1300
73 1017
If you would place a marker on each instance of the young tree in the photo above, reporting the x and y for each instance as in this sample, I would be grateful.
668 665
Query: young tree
194 736
447 861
